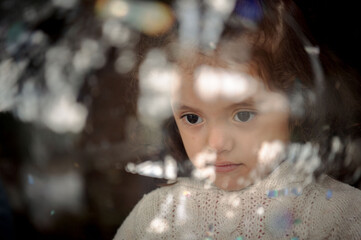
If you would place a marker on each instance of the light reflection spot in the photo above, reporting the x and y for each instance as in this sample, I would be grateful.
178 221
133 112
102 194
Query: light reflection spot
30 179
119 8
329 194
158 225
260 211
186 193
229 214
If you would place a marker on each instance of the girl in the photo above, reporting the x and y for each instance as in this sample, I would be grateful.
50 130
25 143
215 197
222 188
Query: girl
259 123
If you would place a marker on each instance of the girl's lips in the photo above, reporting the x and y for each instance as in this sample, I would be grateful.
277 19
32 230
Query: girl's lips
226 167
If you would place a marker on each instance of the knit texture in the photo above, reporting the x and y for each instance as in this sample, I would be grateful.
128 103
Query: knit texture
282 206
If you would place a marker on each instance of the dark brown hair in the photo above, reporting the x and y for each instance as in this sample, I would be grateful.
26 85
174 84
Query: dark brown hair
323 97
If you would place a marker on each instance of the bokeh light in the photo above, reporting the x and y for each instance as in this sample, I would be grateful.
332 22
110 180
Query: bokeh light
151 18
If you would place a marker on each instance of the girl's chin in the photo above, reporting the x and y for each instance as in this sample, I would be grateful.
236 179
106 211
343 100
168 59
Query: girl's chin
227 184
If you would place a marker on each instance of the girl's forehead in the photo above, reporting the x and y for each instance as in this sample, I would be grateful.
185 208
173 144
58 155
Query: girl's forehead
215 81
209 85
190 65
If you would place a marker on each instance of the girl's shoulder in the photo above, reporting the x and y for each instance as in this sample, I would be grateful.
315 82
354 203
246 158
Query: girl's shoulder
337 190
341 202
337 204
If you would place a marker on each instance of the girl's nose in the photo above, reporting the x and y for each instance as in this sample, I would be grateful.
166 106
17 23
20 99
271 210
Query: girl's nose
219 139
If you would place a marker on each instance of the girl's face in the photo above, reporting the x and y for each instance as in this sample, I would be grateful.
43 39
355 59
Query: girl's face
232 131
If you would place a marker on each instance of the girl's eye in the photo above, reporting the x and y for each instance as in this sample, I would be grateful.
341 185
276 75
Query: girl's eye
192 119
244 116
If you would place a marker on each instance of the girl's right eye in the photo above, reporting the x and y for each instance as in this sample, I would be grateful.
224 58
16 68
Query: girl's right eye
192 119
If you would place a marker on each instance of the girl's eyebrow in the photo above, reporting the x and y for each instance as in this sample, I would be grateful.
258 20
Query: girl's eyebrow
183 107
249 103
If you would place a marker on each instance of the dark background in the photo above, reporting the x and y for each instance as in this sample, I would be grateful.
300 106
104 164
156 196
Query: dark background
335 25
100 152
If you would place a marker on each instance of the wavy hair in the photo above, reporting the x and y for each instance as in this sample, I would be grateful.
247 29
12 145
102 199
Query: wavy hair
323 93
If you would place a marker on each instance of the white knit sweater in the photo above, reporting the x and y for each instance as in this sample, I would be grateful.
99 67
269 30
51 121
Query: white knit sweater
282 206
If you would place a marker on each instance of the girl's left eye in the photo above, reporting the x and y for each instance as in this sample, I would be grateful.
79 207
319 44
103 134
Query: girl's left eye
244 116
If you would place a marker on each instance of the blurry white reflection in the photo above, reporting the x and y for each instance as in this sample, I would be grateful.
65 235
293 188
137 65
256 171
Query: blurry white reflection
157 78
271 153
212 83
189 22
125 62
216 13
260 211
166 169
38 37
170 165
204 169
89 56
223 7
57 58
29 105
312 50
305 157
273 102
158 225
118 8
148 17
63 114
67 4
205 158
10 71
181 214
49 194
115 32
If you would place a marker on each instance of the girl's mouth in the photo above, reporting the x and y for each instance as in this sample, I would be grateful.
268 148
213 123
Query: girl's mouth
226 167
